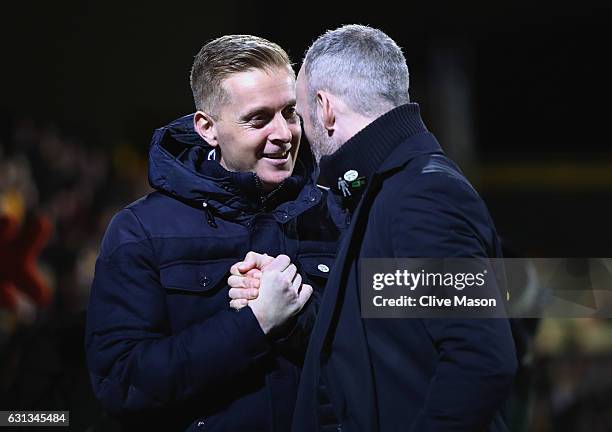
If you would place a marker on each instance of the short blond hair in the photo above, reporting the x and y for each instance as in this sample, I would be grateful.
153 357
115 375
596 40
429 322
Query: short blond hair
226 55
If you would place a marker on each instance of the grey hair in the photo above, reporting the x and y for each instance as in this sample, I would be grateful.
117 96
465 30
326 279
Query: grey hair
360 64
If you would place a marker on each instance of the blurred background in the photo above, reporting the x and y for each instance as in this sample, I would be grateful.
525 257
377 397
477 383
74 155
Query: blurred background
517 92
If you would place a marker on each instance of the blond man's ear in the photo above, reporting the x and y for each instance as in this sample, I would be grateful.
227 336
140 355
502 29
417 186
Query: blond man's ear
205 126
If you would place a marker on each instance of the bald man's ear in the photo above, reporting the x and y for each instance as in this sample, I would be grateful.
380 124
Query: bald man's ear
326 105
205 126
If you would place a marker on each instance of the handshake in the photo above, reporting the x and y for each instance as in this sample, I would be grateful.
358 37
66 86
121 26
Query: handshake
271 287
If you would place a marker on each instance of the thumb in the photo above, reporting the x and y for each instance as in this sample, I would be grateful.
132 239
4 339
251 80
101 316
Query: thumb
251 261
235 269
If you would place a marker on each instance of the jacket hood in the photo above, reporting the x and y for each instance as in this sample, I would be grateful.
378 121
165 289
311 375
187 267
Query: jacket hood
180 166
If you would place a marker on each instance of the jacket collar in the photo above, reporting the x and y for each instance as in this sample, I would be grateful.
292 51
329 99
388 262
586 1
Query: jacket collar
384 144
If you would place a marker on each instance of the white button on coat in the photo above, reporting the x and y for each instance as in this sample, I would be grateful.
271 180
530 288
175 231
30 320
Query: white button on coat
323 268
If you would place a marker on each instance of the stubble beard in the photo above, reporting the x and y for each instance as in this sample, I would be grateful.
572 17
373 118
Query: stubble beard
322 144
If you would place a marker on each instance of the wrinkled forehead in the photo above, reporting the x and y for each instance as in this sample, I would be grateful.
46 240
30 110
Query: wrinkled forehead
258 81
274 87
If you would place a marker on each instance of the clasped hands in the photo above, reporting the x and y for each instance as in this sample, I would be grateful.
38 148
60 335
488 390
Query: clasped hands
270 286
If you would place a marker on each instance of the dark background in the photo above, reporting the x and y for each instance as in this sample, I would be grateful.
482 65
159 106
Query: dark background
537 77
517 92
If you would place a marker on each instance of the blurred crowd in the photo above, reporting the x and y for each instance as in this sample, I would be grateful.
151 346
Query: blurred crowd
57 195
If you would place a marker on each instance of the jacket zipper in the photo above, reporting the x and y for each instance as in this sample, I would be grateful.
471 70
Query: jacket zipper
263 197
210 218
